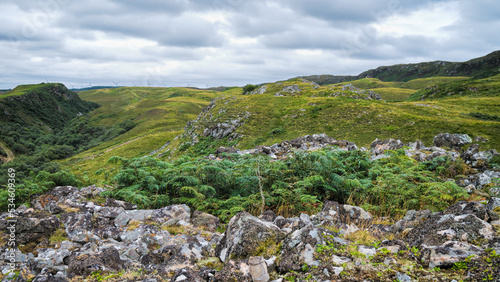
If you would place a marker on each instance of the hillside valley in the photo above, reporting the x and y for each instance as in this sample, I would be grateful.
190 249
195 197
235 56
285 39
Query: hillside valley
319 178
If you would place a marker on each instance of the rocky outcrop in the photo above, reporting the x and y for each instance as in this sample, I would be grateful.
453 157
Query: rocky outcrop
106 260
71 233
378 147
281 150
455 141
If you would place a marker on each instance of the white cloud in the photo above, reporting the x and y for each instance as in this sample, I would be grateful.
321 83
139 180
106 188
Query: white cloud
429 22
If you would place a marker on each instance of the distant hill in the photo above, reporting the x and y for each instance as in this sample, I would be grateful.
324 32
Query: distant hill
486 66
482 67
47 105
94 88
328 78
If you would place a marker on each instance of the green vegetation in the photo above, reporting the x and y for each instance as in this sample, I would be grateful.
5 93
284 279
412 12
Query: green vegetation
159 115
471 88
299 184
249 88
330 109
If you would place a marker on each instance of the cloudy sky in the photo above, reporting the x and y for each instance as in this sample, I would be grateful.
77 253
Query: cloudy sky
232 42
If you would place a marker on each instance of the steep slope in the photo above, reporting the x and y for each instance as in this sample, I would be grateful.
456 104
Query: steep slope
48 106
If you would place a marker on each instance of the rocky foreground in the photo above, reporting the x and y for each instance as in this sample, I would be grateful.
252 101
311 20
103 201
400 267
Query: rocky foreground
72 234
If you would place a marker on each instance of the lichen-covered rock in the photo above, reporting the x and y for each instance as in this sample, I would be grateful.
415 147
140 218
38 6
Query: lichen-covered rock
299 247
441 228
171 215
234 270
335 213
119 204
380 146
29 229
245 234
107 260
205 220
448 253
455 141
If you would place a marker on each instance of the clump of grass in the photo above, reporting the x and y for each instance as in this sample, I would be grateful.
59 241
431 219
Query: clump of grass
361 237
58 236
133 224
173 229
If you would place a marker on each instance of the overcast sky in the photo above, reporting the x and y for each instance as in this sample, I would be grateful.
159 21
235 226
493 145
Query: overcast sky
232 42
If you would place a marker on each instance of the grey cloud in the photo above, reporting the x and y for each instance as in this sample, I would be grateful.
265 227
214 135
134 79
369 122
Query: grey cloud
230 42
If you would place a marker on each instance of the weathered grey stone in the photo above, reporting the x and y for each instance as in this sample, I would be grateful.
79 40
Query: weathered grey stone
441 228
368 251
138 215
205 220
258 269
451 140
299 247
378 147
448 253
107 260
244 234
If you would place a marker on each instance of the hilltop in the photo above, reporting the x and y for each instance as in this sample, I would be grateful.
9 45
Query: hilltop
477 68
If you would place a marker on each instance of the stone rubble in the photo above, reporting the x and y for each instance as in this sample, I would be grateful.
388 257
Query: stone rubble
69 235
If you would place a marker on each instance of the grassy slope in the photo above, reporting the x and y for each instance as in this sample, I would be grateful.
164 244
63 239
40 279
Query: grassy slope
22 89
465 88
160 115
355 120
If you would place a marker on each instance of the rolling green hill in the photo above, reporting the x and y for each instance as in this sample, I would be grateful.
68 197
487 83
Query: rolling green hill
139 121
479 68
159 115
276 115
482 67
